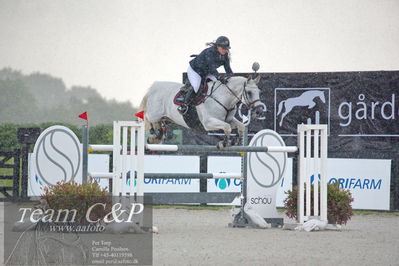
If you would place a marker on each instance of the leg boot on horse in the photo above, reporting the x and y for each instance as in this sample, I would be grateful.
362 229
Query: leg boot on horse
156 134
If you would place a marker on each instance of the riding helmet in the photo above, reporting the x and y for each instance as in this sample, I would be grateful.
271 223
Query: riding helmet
223 41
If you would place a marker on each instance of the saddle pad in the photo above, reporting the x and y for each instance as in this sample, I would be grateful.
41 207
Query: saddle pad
199 97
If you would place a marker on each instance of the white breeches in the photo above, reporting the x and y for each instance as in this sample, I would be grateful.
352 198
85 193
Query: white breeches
195 79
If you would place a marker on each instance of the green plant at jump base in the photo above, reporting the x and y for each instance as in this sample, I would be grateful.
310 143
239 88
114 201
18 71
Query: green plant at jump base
79 197
339 203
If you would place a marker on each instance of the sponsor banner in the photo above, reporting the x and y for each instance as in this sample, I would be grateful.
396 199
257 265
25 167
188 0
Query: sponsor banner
352 104
153 164
221 164
361 110
171 164
224 164
163 164
368 181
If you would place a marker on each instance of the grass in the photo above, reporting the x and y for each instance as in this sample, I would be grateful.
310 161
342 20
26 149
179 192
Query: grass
6 172
368 212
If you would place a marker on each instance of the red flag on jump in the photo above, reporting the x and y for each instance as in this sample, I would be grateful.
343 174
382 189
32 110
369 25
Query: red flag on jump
84 116
140 115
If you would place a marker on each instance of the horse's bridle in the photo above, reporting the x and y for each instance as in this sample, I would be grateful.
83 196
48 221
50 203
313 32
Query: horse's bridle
244 95
246 98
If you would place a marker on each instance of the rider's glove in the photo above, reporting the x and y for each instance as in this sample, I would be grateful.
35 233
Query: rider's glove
223 78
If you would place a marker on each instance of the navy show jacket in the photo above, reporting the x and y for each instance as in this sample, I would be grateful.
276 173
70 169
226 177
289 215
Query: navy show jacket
209 60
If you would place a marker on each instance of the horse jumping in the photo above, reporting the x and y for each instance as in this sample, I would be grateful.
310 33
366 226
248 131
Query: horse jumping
216 112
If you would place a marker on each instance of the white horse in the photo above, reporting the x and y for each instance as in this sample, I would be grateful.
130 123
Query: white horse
215 113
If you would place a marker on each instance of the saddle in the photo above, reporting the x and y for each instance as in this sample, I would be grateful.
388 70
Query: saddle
198 98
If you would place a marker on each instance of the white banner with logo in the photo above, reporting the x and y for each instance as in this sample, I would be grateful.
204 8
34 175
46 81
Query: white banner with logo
153 164
369 181
171 164
225 164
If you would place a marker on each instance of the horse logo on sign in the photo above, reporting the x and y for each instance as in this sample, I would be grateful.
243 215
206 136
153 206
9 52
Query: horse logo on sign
305 99
295 106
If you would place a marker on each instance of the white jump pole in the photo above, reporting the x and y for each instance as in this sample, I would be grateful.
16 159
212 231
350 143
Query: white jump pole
101 147
209 148
323 172
176 175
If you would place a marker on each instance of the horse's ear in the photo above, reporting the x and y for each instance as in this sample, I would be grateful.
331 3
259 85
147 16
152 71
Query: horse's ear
256 80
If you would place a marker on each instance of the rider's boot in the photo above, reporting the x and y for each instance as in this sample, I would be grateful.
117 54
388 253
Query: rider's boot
187 99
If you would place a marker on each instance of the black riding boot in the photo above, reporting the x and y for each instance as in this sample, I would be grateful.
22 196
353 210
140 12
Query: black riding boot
187 101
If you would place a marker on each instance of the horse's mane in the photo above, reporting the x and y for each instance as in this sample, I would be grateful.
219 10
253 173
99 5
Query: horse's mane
236 78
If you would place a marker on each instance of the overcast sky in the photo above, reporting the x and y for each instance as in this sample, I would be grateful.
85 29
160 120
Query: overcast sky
120 47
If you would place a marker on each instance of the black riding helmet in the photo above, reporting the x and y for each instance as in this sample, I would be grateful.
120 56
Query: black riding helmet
223 41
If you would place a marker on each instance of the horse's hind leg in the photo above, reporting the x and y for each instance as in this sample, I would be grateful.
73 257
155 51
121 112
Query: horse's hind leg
156 133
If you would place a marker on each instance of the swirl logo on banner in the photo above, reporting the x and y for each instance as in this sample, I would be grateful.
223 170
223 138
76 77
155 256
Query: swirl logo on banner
264 173
56 158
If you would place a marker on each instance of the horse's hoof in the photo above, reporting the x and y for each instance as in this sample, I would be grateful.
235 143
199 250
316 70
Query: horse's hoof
236 141
228 144
153 140
220 145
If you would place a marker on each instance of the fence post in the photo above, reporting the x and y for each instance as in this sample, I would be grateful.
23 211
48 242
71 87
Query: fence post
25 177
85 142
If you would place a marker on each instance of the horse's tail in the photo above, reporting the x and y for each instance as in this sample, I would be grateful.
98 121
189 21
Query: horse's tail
143 104
280 107
143 107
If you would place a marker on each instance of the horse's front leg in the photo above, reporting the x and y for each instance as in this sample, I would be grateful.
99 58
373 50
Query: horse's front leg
216 124
156 133
235 123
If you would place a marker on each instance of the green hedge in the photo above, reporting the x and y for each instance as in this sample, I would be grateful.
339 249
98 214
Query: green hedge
100 134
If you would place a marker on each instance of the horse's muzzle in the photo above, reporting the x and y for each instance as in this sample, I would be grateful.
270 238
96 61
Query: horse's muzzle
258 111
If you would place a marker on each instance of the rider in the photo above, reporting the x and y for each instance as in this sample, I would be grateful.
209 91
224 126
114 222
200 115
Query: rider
205 65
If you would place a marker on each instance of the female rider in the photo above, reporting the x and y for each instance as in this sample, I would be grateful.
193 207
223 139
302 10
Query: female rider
205 66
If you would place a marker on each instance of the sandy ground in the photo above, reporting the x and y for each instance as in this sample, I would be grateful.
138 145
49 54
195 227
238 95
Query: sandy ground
202 237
